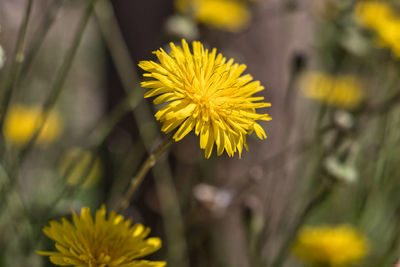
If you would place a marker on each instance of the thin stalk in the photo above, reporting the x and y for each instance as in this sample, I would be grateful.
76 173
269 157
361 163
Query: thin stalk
97 136
173 223
51 99
68 190
102 129
171 214
16 64
113 37
313 203
138 179
391 253
129 165
61 75
177 253
319 196
387 105
41 33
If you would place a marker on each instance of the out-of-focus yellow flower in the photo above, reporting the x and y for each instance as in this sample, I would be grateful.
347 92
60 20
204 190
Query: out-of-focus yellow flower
100 241
342 91
79 167
373 13
203 91
23 121
382 18
330 245
229 15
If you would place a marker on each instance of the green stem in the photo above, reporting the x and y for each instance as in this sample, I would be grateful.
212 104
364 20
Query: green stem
125 68
97 136
61 76
387 105
138 179
313 203
15 65
173 223
319 196
102 129
39 36
115 42
50 101
69 190
171 214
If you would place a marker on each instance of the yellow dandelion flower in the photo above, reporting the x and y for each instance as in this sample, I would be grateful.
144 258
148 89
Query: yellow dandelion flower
330 245
382 18
342 91
229 15
205 92
23 121
75 165
100 241
373 13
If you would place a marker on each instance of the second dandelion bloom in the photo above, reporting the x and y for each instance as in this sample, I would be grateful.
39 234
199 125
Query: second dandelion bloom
332 246
100 241
205 92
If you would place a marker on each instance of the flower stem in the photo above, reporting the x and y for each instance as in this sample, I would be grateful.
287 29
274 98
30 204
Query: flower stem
15 65
172 218
313 203
41 33
138 179
7 93
177 252
98 134
61 75
50 101
109 28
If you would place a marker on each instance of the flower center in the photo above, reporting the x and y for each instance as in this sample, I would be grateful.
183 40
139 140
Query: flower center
203 102
205 105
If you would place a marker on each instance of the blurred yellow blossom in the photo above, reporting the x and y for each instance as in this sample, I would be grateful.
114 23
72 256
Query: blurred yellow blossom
79 167
229 15
100 241
23 121
331 246
205 92
383 19
342 91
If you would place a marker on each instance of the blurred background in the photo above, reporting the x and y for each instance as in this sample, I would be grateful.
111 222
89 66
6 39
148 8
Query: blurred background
322 190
